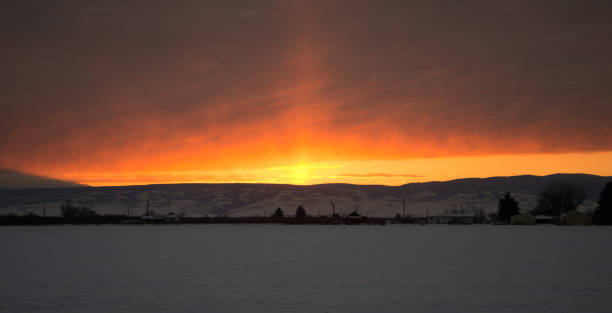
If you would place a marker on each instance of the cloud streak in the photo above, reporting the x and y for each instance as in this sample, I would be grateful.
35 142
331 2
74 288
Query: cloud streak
372 175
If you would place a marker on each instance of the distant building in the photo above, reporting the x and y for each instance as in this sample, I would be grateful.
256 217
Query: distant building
452 218
522 219
152 218
355 218
544 219
132 221
575 217
173 218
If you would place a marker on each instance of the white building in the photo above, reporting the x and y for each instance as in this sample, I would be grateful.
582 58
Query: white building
452 218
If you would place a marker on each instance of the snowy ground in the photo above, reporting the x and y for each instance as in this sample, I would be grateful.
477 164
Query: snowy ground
278 268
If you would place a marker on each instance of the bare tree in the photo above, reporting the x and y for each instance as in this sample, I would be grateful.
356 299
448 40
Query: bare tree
71 211
560 197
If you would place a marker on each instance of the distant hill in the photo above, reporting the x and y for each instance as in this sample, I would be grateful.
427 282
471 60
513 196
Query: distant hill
260 199
16 180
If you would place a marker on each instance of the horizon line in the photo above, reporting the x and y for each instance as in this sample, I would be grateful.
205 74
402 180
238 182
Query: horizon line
80 185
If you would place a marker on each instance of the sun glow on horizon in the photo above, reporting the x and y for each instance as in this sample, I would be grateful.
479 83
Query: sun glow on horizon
379 172
301 174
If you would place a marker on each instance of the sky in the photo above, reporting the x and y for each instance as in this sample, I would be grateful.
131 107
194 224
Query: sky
304 92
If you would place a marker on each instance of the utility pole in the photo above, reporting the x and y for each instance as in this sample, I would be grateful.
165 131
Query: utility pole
333 205
404 205
147 209
45 211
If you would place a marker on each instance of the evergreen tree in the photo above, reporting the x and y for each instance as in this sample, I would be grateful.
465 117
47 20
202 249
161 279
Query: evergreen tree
506 208
603 215
279 213
300 212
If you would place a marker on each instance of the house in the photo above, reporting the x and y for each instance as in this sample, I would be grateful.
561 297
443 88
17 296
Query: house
544 219
522 219
172 218
452 218
152 218
355 218
132 221
575 217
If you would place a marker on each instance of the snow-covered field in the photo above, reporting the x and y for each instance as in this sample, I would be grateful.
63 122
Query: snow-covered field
278 268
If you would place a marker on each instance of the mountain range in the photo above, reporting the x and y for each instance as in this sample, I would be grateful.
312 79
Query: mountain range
261 199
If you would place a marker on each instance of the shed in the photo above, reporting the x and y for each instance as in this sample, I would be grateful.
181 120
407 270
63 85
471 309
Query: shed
575 217
522 219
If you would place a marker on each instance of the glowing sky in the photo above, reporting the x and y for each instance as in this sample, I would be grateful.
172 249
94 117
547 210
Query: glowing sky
372 92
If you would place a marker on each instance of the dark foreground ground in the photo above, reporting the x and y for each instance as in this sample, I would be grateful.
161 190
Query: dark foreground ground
295 268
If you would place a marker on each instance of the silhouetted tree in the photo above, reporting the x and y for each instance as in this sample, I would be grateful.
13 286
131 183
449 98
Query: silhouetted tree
71 211
560 197
398 217
68 209
603 215
300 212
507 207
278 213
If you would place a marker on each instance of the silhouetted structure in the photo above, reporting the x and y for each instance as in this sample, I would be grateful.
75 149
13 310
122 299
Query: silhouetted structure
452 218
574 217
355 218
522 219
545 219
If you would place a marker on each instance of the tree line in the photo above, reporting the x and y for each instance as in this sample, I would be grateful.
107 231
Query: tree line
558 198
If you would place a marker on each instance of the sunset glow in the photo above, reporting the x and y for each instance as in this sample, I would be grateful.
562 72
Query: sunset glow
385 172
305 92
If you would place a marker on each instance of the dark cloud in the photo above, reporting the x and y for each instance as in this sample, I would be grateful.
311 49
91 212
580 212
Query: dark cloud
88 81
15 180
